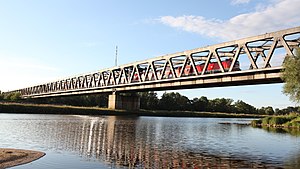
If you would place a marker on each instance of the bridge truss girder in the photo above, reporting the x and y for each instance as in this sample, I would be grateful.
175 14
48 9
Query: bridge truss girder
255 52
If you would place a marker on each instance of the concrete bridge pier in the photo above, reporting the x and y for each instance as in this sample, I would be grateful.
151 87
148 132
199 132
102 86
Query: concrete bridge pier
129 101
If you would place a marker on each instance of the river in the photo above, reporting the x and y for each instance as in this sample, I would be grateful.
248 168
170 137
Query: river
71 141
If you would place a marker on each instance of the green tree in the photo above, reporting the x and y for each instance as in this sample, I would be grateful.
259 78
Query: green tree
13 96
269 110
199 104
16 96
99 100
174 101
291 76
149 100
7 96
277 111
242 107
220 105
261 110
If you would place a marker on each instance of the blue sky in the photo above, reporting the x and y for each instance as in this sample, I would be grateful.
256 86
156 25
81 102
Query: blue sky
44 40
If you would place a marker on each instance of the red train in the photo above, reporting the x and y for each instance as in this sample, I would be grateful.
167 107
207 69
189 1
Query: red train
212 67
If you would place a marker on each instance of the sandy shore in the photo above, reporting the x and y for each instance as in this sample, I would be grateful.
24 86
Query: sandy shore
14 157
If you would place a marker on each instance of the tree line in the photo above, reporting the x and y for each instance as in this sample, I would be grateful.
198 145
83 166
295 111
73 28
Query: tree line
175 101
97 100
172 101
10 96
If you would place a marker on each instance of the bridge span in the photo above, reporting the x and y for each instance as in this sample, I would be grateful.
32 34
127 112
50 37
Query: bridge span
253 60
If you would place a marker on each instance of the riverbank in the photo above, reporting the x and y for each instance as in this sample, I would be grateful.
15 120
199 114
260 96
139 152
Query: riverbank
14 157
9 107
280 124
285 121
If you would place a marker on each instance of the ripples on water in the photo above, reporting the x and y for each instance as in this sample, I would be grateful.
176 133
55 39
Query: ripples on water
147 142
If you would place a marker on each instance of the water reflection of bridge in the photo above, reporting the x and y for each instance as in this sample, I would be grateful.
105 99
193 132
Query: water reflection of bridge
124 142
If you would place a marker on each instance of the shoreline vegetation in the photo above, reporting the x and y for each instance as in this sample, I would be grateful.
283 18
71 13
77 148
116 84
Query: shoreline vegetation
150 101
13 157
12 107
284 121
280 124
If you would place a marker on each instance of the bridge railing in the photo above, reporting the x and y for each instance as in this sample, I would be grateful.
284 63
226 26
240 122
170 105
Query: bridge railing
253 53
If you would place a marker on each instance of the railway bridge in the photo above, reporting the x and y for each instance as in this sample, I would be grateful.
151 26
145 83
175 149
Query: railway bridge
248 61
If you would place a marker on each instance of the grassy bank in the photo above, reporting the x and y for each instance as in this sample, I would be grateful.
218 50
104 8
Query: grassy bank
286 121
57 109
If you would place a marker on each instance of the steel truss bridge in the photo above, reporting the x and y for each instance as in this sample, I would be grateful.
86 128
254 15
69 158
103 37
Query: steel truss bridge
253 60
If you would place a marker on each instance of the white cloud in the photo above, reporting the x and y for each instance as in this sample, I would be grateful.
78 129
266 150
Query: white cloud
236 2
278 15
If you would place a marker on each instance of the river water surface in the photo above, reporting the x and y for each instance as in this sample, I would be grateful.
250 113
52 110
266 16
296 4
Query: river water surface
147 142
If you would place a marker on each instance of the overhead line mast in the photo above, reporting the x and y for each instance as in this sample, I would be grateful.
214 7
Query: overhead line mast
116 58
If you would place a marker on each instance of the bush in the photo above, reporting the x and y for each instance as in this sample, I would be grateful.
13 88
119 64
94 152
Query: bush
294 123
293 115
265 121
256 122
16 96
278 120
12 96
288 124
8 96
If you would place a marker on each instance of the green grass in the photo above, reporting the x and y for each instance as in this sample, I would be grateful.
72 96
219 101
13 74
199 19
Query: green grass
55 109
